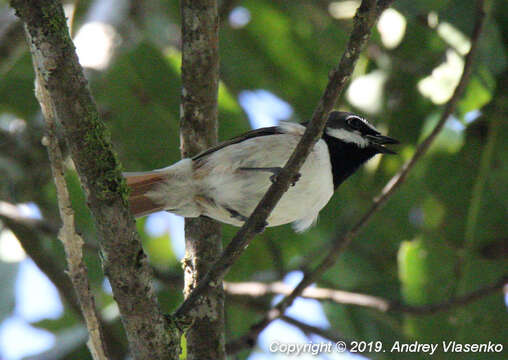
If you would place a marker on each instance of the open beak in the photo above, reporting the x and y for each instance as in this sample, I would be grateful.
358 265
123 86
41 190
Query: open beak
377 142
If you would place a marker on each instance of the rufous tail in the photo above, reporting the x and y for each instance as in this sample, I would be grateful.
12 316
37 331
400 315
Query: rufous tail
140 183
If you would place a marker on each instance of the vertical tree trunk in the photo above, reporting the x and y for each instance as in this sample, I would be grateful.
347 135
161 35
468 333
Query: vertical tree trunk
198 126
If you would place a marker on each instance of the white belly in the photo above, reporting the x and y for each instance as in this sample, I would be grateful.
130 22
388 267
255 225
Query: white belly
241 190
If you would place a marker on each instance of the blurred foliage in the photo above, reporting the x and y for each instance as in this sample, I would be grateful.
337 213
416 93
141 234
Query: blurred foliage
413 251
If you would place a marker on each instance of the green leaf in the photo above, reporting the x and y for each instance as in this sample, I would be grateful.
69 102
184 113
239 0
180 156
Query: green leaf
183 345
83 218
478 93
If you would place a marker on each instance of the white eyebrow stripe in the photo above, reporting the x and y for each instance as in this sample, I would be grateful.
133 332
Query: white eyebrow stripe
363 120
348 136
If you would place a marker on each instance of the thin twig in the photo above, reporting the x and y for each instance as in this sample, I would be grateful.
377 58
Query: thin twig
259 289
452 303
342 242
365 18
73 243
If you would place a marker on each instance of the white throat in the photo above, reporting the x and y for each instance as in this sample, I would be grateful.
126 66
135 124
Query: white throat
348 136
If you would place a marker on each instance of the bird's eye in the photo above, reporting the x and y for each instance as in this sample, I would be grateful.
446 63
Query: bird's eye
355 123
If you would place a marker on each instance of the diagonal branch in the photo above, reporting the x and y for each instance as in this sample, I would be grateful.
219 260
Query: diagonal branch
150 334
340 243
365 18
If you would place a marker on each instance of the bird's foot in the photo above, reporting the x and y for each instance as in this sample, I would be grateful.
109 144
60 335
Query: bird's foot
294 179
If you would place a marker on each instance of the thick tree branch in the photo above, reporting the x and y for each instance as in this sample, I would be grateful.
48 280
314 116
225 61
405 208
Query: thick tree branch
58 71
365 18
342 242
198 132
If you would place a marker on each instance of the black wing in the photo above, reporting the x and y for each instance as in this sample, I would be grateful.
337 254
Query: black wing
272 130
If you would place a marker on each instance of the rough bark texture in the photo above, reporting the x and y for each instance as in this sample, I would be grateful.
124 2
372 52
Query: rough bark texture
150 335
198 131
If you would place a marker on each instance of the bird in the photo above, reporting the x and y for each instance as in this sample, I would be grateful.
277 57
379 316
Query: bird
227 181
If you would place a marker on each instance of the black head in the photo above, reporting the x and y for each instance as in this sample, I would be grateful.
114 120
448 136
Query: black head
355 130
351 142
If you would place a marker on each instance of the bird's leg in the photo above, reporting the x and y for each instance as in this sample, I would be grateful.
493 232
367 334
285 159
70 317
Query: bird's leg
275 171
